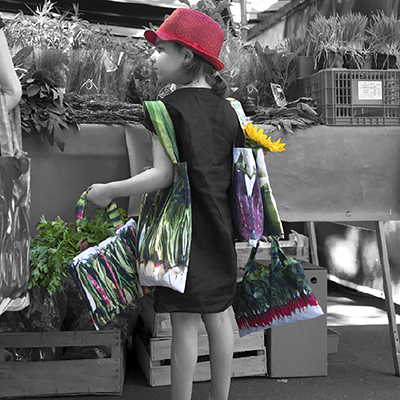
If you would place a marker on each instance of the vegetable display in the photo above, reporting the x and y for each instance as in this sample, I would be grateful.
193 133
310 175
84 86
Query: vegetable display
58 242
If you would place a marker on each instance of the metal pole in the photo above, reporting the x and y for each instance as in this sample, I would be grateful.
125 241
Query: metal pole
243 12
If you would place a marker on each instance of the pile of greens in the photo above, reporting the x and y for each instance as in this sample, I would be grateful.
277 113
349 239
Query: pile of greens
297 114
59 242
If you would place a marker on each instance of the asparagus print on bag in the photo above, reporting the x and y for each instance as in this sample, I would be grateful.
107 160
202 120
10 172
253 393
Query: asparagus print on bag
106 274
165 218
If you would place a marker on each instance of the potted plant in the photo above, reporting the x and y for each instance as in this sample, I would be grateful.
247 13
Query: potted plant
353 46
278 66
243 72
305 60
383 37
325 33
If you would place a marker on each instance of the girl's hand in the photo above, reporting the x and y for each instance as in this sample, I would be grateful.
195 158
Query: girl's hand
99 195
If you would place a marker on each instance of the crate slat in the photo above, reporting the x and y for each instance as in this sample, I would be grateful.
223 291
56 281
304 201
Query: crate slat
60 339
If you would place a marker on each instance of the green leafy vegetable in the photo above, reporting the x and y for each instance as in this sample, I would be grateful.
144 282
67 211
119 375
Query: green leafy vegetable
59 242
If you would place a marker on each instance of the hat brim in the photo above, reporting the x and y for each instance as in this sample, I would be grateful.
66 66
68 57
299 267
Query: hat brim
151 36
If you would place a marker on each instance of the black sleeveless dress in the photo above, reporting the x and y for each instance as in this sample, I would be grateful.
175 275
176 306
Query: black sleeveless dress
207 129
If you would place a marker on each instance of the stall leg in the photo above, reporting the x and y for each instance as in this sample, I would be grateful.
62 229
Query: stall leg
387 285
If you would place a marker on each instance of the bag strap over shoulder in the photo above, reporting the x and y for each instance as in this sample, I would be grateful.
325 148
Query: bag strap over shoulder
164 127
237 106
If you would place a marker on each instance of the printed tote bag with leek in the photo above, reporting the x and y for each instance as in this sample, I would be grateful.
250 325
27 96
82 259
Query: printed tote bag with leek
106 274
164 232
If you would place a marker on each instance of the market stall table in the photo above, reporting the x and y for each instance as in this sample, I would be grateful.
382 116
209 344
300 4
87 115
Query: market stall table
330 173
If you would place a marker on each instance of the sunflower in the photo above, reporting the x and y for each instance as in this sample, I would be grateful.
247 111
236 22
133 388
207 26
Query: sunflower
256 138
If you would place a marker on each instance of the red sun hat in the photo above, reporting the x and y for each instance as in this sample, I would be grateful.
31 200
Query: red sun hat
194 30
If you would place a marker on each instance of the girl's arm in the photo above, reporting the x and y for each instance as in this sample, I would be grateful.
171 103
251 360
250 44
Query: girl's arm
9 82
158 177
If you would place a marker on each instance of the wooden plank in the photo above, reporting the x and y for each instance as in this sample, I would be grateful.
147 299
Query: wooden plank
160 348
20 379
60 339
394 334
246 366
250 366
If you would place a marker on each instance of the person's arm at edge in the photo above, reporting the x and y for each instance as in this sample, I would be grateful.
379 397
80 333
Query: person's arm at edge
9 82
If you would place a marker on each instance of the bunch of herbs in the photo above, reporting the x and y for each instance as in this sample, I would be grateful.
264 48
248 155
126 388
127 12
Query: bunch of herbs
58 242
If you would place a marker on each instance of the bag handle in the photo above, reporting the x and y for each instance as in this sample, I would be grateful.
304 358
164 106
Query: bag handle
164 127
112 211
277 254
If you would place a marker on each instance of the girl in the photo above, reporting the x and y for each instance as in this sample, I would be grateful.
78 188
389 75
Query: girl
188 44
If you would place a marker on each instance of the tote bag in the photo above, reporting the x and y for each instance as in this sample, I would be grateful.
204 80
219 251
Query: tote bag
273 295
15 198
255 212
106 274
165 219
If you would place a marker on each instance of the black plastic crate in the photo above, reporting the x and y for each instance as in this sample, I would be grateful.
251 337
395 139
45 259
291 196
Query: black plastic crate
356 97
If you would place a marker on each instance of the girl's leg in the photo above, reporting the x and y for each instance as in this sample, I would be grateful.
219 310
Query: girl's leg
220 337
185 328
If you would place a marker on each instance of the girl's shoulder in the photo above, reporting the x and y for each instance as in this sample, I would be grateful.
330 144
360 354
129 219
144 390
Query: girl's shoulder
187 96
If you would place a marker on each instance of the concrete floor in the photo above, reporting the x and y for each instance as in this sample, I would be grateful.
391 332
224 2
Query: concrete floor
362 368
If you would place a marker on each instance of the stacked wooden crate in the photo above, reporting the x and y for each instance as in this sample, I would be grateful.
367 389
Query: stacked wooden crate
153 344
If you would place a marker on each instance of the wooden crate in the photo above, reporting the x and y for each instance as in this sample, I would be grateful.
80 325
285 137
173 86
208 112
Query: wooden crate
62 377
159 324
154 357
297 246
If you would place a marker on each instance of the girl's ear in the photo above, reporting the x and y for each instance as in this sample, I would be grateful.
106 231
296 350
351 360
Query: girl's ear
188 55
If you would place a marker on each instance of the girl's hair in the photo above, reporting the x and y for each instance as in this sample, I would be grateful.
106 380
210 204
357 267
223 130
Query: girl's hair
199 66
